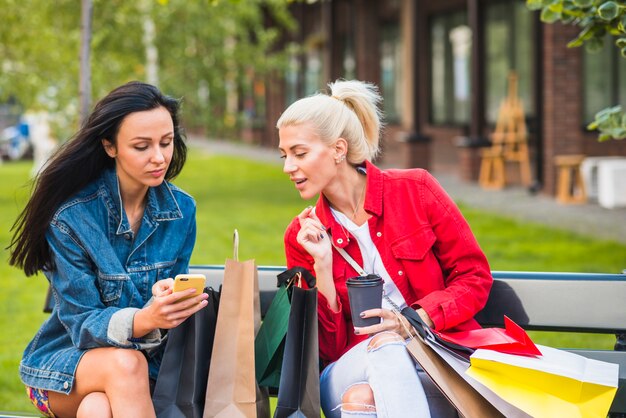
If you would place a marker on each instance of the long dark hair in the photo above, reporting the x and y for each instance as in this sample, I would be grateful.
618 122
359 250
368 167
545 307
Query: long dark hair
79 162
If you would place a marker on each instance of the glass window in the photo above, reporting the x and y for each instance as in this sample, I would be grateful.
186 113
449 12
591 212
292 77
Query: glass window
313 72
450 39
292 79
604 82
509 47
391 71
349 61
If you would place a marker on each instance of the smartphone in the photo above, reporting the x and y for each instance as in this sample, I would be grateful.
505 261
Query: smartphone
187 281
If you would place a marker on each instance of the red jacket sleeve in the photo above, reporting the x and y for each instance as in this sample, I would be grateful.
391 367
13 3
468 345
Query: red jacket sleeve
334 330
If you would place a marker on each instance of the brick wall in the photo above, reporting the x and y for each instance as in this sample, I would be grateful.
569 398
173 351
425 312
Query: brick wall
562 98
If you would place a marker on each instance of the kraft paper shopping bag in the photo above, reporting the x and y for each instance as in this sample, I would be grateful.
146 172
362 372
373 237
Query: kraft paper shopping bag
447 369
232 389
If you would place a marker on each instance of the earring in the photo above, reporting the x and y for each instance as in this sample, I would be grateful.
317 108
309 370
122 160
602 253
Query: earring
340 159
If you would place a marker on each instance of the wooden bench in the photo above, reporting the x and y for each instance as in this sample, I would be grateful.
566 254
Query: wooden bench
565 302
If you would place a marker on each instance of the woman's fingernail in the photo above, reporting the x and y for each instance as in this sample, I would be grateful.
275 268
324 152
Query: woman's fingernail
362 315
356 331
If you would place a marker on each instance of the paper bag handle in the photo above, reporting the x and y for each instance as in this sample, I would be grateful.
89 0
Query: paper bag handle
236 245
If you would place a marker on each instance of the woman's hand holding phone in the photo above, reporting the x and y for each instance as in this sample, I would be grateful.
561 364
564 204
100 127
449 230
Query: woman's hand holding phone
172 304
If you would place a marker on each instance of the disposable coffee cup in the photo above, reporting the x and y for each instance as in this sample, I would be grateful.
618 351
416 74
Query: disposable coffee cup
365 292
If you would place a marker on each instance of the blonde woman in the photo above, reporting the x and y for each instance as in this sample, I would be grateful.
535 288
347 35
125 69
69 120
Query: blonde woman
399 224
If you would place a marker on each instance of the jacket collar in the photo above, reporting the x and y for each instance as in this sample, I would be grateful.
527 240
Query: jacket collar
373 205
160 206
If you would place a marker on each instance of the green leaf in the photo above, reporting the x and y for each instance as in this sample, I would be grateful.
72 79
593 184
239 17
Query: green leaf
556 7
548 16
608 11
621 43
534 4
583 3
623 52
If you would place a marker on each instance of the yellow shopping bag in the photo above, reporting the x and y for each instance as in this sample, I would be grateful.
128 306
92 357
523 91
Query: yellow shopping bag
556 384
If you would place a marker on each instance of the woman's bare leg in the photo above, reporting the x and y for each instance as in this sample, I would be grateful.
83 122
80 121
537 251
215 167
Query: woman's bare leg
95 405
120 373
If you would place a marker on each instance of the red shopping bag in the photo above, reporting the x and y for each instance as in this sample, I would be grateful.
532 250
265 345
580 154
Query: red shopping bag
511 340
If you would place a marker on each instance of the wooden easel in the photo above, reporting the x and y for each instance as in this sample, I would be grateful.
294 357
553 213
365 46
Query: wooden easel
509 143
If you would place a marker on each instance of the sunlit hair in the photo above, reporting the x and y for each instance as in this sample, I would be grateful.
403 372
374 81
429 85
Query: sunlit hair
350 112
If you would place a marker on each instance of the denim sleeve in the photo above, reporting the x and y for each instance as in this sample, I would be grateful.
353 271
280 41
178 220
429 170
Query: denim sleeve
81 310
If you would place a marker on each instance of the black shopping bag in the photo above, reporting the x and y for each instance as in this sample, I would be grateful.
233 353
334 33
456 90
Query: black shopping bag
181 385
269 343
299 390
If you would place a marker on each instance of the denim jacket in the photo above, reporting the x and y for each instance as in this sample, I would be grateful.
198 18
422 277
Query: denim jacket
103 274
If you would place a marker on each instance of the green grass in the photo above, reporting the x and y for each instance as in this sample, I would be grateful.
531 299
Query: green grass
259 201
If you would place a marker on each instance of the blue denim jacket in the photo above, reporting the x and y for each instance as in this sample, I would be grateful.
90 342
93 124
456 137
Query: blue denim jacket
103 274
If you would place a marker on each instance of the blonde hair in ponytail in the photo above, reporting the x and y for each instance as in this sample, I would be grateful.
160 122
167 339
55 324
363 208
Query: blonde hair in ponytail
351 112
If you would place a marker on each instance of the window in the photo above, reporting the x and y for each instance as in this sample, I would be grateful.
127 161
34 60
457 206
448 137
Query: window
292 79
450 39
509 46
604 80
313 72
391 71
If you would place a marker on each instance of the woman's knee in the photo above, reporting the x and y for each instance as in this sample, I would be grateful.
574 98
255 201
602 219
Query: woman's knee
384 338
358 397
95 405
128 363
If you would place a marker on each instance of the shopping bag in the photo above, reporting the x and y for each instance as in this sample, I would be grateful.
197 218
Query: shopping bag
446 367
232 390
181 384
557 384
269 343
512 339
299 390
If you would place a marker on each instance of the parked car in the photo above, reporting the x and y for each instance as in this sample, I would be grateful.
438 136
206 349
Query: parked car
15 142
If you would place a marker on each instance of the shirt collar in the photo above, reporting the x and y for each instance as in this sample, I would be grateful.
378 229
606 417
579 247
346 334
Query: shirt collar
373 204
160 206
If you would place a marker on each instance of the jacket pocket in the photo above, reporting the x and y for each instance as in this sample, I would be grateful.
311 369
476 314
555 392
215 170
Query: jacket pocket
164 270
415 245
111 287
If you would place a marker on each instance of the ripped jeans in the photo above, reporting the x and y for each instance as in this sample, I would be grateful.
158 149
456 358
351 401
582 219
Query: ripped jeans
388 369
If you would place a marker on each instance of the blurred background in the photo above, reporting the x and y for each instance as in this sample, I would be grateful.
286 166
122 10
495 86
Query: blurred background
470 88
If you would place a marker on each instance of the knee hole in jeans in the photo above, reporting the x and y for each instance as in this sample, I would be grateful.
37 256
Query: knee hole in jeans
358 397
384 338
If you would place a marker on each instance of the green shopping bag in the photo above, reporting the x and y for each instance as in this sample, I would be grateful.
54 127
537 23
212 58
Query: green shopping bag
269 343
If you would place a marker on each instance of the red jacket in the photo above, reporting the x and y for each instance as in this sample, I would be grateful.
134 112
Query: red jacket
426 246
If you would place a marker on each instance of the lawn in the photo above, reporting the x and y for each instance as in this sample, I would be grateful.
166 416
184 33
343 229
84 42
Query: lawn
259 201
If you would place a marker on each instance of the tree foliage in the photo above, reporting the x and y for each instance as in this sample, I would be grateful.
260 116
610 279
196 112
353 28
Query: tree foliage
208 51
598 20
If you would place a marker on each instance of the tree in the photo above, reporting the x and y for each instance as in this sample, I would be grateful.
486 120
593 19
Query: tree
206 52
598 20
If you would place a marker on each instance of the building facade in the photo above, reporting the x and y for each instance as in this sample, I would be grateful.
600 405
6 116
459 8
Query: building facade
442 67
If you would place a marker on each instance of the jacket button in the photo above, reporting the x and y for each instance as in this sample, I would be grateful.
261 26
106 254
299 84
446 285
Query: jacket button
340 241
379 234
66 385
400 273
127 236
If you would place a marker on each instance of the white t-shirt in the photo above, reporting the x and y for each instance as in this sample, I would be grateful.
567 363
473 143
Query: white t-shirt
372 263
